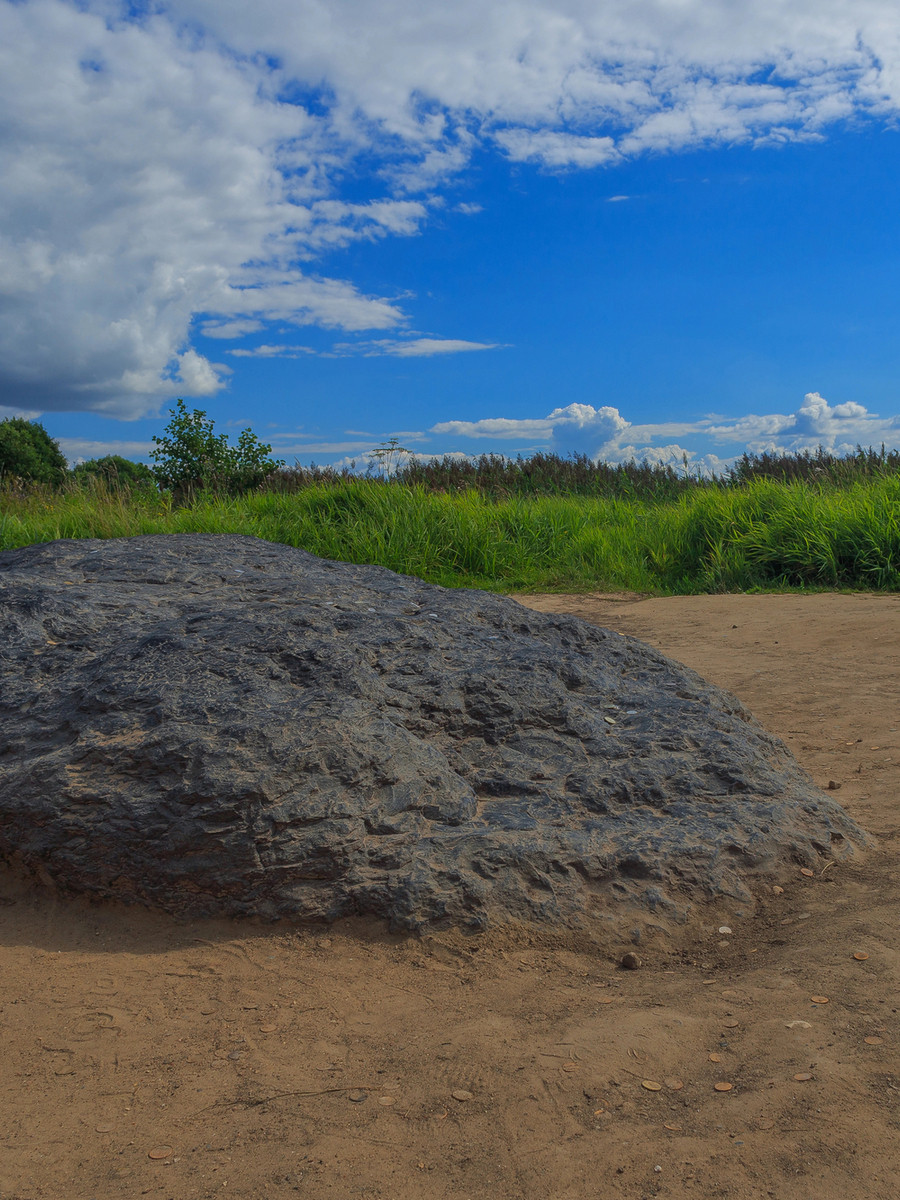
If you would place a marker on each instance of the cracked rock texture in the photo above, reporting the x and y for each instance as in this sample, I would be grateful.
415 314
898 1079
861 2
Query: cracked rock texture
221 725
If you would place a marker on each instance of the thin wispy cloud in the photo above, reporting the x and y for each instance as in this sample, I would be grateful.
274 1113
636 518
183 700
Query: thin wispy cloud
422 347
199 160
266 351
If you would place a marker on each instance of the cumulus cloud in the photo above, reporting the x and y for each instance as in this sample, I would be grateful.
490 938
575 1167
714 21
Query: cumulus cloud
578 428
603 433
191 159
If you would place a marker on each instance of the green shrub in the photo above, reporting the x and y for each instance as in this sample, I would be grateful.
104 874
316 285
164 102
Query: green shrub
193 458
27 451
115 471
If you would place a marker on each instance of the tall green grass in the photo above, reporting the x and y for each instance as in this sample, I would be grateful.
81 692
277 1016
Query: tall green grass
760 535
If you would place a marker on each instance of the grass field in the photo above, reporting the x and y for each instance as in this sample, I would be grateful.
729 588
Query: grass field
758 534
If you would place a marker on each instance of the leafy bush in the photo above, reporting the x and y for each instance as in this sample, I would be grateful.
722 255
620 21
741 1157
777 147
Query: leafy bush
27 451
194 458
115 470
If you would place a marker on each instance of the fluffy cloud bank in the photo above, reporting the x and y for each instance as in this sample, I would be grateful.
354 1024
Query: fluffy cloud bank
708 444
186 158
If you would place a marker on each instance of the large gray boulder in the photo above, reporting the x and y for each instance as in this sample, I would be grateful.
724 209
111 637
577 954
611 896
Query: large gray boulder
221 725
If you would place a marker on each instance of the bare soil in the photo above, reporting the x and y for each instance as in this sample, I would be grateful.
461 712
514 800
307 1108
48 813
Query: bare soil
141 1056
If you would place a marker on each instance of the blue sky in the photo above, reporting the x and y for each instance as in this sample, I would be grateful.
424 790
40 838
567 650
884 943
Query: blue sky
646 228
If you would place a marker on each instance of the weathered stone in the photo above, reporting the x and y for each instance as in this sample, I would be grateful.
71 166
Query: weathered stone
221 725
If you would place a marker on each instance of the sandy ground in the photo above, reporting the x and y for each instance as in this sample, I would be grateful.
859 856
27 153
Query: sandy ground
141 1057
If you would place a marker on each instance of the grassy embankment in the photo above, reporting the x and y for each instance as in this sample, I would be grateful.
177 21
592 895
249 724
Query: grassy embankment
753 534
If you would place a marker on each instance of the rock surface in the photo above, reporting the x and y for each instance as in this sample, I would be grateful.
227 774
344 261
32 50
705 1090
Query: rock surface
220 725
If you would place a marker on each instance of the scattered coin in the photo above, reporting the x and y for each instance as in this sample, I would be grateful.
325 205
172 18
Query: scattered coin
571 1066
731 1023
860 956
779 891
386 1100
723 1087
873 1041
724 929
674 1085
107 1128
462 1095
674 1128
803 1076
357 1096
651 1085
160 1152
807 872
267 1028
819 999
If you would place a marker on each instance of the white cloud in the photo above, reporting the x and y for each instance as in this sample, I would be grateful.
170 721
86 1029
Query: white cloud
552 149
159 164
266 351
79 450
150 175
230 329
577 427
196 375
422 347
603 433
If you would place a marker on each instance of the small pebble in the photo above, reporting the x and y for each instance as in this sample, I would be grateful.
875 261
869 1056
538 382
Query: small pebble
631 961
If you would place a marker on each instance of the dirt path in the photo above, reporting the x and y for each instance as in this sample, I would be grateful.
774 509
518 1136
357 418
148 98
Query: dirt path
142 1057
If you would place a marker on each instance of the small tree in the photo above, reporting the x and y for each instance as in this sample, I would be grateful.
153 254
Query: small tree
27 451
115 471
193 457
